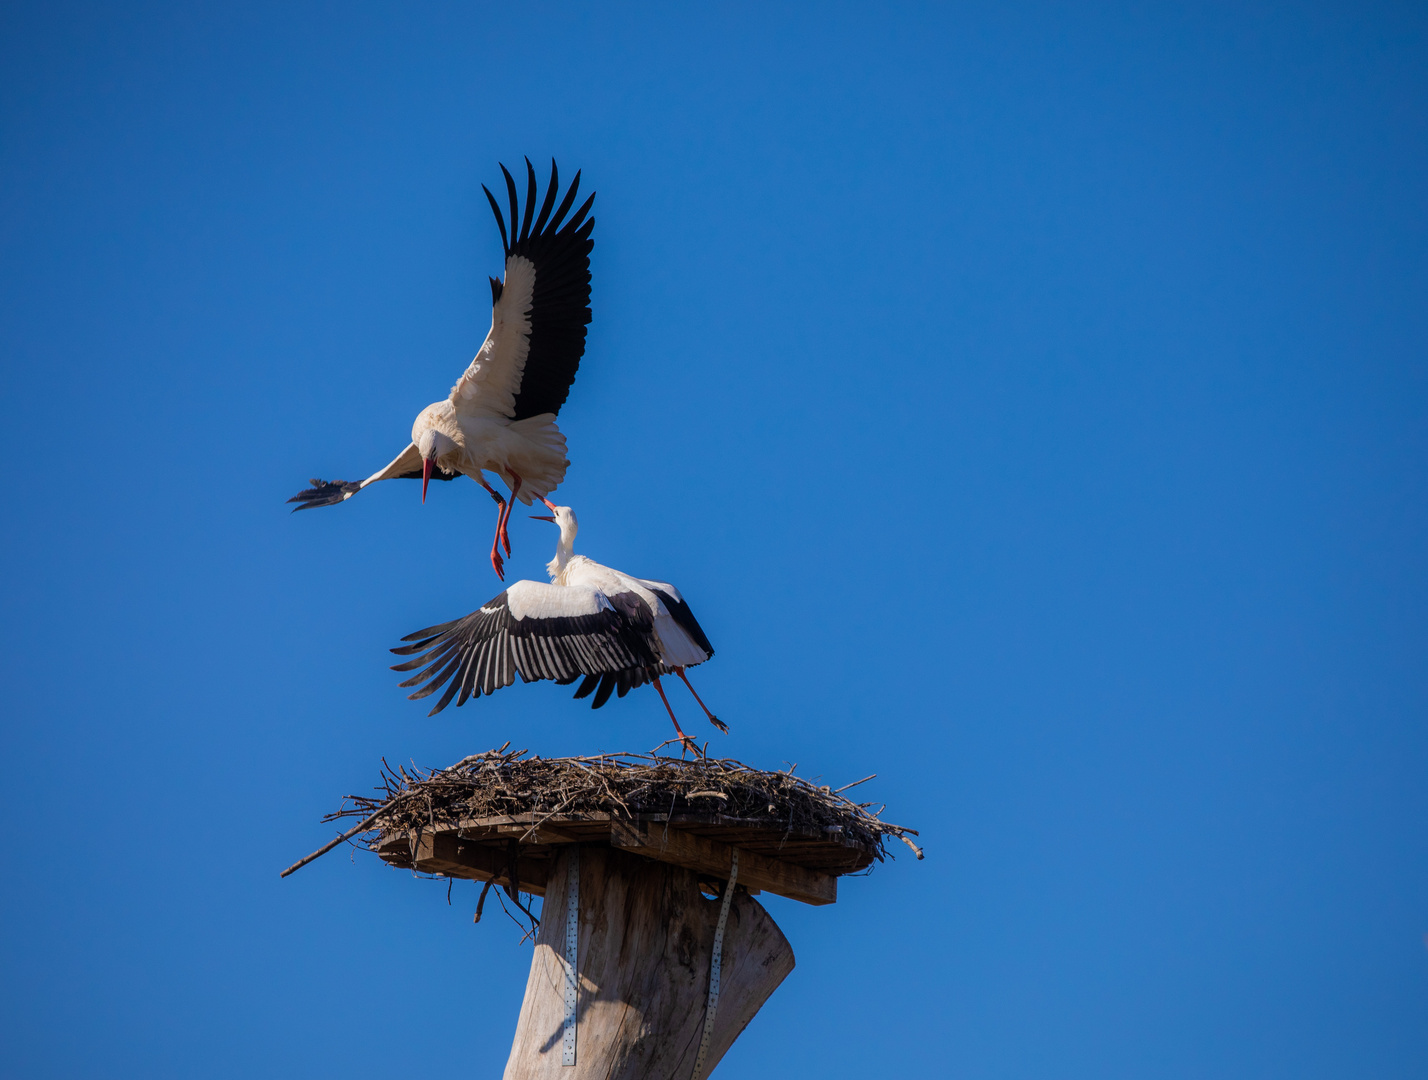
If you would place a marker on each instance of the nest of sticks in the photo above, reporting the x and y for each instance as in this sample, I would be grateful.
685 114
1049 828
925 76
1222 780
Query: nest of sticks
508 784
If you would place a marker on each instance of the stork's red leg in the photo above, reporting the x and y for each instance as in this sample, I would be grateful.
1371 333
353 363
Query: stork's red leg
685 739
496 562
712 718
506 515
500 499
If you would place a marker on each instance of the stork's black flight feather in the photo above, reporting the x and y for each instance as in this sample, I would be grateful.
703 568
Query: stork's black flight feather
487 649
331 492
560 307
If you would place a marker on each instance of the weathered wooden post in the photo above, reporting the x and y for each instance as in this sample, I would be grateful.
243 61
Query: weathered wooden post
652 954
643 956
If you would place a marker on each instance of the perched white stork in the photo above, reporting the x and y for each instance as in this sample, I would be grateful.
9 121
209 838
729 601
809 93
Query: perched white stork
618 631
500 415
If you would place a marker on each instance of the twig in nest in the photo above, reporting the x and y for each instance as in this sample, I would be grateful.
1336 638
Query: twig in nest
481 900
534 922
361 826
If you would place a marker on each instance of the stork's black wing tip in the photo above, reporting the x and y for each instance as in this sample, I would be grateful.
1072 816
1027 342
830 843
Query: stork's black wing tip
430 632
324 493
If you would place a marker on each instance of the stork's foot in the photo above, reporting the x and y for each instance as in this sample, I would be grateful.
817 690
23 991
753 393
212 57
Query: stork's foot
686 745
719 724
498 564
506 538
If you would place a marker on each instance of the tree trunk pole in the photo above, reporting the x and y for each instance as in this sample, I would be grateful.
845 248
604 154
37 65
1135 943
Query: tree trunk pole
644 945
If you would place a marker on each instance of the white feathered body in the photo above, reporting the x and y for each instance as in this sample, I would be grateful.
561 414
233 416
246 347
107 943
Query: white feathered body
674 647
533 448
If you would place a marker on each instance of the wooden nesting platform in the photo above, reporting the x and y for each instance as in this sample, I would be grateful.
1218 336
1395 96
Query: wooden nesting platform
802 865
503 817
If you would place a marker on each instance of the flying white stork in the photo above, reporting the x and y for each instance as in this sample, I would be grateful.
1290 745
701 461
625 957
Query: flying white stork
616 630
500 415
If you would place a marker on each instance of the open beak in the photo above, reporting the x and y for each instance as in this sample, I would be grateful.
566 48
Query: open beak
543 517
426 467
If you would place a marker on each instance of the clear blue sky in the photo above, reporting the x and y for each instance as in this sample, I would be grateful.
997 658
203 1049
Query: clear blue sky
1029 399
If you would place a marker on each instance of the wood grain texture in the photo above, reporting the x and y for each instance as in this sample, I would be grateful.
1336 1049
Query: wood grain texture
447 853
646 937
711 857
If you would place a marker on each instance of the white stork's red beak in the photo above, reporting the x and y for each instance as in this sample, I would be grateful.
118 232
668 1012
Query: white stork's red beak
544 517
426 467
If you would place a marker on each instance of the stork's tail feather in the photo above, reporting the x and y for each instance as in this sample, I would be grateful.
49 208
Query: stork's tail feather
542 463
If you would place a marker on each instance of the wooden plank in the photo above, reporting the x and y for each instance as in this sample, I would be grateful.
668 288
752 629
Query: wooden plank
447 853
767 826
526 834
692 852
530 817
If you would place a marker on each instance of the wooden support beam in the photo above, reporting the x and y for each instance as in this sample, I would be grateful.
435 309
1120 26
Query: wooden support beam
692 852
526 834
531 817
447 853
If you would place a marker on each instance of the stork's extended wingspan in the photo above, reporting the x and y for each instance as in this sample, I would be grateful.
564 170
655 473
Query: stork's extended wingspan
539 312
533 630
405 466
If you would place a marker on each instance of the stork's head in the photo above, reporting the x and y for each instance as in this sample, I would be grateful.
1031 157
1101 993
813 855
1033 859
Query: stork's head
562 516
432 443
565 518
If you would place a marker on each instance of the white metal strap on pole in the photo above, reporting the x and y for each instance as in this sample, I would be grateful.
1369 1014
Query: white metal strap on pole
572 942
714 966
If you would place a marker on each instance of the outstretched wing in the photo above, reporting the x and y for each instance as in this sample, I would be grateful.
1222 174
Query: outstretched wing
405 466
539 312
533 630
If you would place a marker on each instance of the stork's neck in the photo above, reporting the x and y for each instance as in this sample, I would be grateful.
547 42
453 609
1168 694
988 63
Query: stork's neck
563 552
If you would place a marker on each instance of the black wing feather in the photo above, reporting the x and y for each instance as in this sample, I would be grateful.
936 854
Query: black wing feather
680 613
324 493
511 194
531 190
560 306
332 492
487 649
607 686
551 191
500 221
